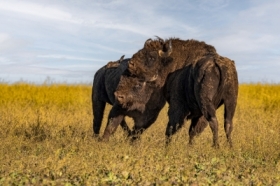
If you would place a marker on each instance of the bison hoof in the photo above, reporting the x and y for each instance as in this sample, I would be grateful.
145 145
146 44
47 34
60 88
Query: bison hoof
95 136
103 139
216 146
190 144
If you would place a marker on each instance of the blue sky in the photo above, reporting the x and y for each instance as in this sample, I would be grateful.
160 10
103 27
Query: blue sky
68 41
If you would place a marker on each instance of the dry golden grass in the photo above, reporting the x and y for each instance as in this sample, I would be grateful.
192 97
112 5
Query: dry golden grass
46 139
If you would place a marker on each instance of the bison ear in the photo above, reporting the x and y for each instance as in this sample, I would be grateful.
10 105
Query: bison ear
161 53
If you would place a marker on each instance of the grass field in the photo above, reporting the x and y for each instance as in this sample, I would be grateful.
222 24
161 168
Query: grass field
46 139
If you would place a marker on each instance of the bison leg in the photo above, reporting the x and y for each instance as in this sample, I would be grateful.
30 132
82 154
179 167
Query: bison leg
141 124
198 124
214 127
112 126
125 128
228 115
98 111
210 115
138 128
116 116
209 112
176 121
136 133
206 92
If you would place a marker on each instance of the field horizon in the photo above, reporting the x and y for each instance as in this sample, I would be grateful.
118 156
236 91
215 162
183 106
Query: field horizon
47 139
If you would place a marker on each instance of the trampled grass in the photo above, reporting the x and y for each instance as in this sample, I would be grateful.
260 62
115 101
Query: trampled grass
46 139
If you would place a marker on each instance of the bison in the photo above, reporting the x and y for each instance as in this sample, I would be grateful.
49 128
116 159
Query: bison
193 92
105 82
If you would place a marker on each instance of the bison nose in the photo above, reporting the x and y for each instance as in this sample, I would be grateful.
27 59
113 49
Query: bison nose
119 97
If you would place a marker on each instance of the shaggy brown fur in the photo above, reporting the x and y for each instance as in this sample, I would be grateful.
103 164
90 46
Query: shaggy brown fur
193 92
158 58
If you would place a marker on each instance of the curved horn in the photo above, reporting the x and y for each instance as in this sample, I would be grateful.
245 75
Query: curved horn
168 52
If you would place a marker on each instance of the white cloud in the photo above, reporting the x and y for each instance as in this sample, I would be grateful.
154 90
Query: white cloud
3 37
55 56
8 44
243 42
4 60
211 5
38 10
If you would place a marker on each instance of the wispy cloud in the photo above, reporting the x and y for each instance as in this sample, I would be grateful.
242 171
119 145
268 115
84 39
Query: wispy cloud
53 56
38 10
10 44
213 6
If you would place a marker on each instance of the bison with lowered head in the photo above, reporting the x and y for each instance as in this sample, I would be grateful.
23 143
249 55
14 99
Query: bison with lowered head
193 92
105 82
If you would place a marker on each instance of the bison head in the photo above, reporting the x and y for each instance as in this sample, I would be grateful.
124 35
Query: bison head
148 62
133 93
